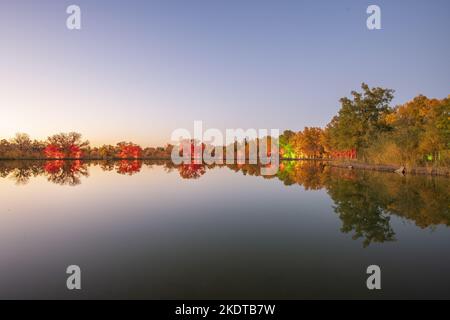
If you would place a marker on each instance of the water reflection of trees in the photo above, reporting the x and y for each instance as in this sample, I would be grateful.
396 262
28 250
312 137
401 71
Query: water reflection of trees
65 172
309 174
366 200
191 171
363 200
20 171
57 171
361 204
129 167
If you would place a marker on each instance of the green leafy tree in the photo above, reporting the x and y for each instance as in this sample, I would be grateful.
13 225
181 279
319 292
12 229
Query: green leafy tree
360 119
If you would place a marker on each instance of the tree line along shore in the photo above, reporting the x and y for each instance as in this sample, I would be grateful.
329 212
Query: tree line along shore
367 132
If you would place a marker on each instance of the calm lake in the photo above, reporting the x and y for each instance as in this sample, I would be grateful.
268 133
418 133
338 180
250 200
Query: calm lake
153 230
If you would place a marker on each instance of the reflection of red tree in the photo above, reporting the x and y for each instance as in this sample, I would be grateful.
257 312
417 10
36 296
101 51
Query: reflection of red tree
129 151
129 167
53 152
191 171
53 167
76 166
65 172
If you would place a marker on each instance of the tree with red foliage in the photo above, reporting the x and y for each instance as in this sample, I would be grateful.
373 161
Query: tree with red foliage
65 146
53 152
128 150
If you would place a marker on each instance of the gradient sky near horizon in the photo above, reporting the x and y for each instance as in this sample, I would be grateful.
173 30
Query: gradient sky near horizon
140 69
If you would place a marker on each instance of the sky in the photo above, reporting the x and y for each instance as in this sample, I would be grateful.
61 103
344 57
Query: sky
137 70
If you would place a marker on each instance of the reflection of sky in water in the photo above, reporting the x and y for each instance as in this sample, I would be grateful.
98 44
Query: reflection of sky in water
223 235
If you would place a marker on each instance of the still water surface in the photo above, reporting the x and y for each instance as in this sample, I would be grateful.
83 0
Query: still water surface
157 231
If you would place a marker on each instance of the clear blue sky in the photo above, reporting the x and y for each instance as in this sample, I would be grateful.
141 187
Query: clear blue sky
139 69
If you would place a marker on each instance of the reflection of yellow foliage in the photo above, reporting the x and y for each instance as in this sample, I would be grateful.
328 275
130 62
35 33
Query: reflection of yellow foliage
365 200
424 200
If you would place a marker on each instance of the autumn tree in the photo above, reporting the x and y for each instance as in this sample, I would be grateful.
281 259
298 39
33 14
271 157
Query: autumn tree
129 150
23 143
286 141
5 147
66 145
436 137
360 119
308 142
107 151
421 129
